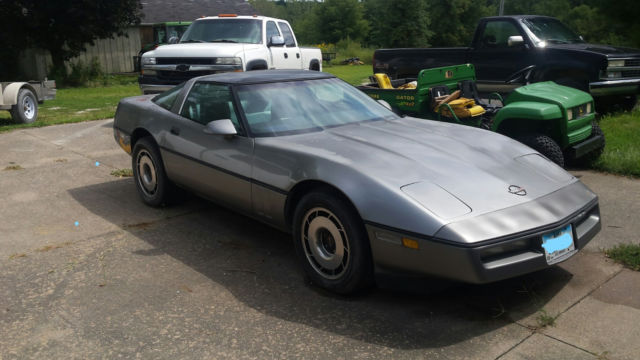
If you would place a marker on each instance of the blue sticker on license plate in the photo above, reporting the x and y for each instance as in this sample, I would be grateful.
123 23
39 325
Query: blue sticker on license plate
558 245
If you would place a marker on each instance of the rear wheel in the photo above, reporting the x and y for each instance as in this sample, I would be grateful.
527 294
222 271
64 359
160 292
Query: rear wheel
331 243
152 183
544 145
26 109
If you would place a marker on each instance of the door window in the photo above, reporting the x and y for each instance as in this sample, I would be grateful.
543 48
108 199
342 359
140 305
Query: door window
496 34
287 34
167 98
207 102
272 30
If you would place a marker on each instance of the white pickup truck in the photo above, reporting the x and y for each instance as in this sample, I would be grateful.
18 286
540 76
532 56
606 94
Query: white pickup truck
225 43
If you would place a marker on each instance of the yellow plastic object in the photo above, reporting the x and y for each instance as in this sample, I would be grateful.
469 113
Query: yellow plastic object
463 108
383 81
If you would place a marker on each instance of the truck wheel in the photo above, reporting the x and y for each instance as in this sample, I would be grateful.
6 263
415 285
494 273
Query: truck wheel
154 187
544 145
331 243
591 157
26 109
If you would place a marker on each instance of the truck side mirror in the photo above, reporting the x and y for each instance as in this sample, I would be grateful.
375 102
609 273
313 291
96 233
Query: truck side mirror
173 40
276 41
220 127
515 40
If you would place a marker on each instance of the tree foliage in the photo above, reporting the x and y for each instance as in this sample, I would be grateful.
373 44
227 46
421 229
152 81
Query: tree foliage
65 27
399 23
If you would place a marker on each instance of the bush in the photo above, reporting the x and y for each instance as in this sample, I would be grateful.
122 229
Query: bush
80 75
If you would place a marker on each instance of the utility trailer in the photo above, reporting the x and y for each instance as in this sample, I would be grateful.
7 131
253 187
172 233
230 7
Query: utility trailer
21 99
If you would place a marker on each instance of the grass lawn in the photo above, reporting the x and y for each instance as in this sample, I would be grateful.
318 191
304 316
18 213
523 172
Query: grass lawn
353 74
622 151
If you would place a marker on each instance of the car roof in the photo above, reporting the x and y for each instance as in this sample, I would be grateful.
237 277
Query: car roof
264 76
517 17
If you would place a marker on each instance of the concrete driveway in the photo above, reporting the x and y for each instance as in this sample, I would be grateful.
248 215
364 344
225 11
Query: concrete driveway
87 271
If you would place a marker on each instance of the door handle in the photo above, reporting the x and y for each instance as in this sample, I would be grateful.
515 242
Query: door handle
286 56
298 55
175 130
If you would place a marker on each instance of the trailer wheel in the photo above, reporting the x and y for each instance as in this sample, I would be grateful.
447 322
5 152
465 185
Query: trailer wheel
26 109
544 145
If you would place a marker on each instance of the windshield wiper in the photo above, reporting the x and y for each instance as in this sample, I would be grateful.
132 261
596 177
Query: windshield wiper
191 41
222 41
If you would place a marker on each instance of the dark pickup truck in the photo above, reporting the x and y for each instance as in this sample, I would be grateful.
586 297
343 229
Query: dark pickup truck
510 51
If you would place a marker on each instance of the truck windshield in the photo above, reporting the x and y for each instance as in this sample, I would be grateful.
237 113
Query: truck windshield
224 30
551 30
294 107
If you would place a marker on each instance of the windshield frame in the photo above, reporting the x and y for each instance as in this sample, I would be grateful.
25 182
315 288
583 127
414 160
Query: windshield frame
200 23
364 99
527 22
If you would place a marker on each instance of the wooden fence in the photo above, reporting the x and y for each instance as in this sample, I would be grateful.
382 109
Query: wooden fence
114 55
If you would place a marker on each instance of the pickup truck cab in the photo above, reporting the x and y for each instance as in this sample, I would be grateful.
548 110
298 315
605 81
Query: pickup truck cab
226 43
510 51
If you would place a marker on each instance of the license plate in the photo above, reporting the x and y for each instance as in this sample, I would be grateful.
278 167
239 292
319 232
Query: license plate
558 245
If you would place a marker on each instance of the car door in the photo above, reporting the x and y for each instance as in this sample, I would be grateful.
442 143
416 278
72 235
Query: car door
287 56
495 60
216 166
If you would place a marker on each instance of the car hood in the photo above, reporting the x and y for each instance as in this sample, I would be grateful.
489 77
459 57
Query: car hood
608 50
201 50
476 166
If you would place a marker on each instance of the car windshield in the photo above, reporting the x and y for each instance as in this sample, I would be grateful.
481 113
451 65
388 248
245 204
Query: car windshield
303 106
224 30
551 30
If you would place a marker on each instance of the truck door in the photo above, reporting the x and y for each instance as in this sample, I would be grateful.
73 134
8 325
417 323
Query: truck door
287 56
495 59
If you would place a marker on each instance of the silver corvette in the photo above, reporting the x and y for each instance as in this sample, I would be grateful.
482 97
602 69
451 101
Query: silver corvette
360 188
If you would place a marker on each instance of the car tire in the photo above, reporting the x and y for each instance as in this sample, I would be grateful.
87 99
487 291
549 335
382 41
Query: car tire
154 188
26 109
331 243
544 145
591 157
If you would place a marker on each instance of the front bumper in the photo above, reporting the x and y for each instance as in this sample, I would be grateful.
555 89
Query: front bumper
615 87
484 262
581 149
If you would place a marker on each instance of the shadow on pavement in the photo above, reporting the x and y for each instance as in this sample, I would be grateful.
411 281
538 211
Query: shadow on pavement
257 265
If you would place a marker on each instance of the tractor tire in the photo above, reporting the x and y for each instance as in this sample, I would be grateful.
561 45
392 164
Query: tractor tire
544 145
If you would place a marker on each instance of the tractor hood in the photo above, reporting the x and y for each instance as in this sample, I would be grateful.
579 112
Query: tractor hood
551 93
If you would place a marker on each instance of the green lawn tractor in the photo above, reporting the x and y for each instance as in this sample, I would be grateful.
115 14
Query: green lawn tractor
555 120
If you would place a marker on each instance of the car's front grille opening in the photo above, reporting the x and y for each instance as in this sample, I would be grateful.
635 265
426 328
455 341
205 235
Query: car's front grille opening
507 249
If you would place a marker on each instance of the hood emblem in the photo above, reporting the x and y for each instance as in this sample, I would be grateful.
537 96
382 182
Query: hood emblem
517 190
182 67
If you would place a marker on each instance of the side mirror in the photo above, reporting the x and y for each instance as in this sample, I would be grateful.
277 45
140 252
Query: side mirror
220 127
581 38
385 104
515 40
276 41
173 40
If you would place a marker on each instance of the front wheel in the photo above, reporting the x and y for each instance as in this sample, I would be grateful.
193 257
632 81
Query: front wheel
26 109
332 244
544 145
152 183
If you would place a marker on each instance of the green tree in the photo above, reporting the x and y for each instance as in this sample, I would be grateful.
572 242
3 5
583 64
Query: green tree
340 19
398 23
66 27
453 22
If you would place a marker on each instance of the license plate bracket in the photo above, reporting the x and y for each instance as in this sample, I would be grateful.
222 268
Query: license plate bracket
558 245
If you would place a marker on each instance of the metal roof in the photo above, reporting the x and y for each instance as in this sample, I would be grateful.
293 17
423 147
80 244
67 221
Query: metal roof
157 11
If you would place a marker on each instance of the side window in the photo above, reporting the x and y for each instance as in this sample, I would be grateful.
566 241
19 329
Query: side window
496 34
287 34
272 30
167 98
207 102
